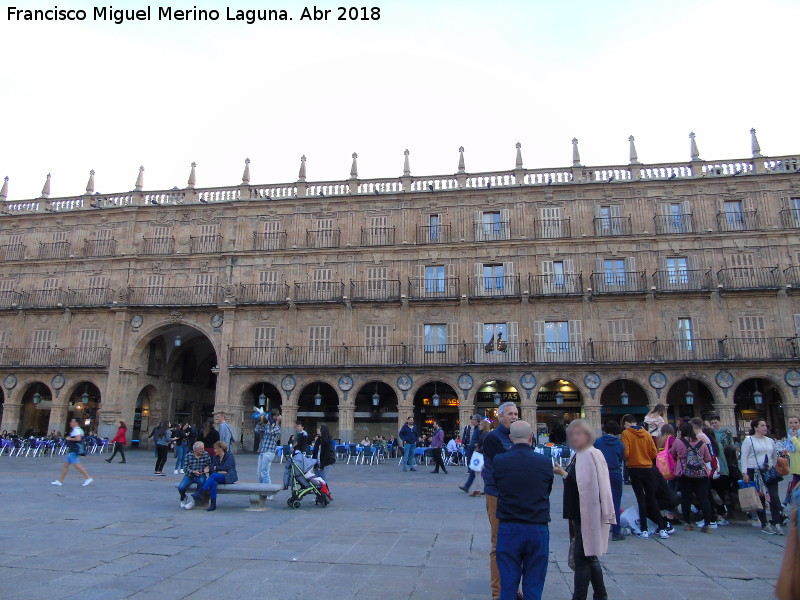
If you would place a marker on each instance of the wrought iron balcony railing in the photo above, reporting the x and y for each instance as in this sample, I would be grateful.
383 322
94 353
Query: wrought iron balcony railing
790 218
158 246
54 250
99 248
551 229
195 295
89 297
792 276
565 284
319 291
504 286
270 240
746 220
323 238
12 299
749 278
263 293
682 280
436 288
205 244
12 252
433 234
611 226
55 357
619 282
375 290
677 223
492 232
45 299
377 236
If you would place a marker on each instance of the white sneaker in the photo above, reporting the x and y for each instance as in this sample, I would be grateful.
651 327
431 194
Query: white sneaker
87 482
721 521
643 535
189 504
769 529
755 523
182 472
778 529
56 482
712 525
183 503
663 534
176 471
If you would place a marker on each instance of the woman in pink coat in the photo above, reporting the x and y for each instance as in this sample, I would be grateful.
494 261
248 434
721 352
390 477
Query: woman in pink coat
589 506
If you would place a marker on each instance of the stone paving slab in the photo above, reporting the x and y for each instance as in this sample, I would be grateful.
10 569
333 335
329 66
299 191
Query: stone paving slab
387 535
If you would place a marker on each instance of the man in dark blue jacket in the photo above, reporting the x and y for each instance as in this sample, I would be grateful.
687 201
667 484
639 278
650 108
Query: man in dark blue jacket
472 434
613 450
497 442
409 435
523 480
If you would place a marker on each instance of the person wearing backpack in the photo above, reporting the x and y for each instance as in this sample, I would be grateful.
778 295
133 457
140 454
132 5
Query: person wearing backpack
691 456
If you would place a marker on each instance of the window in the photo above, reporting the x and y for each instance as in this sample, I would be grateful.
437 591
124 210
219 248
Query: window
493 277
492 225
551 222
376 335
376 279
742 265
59 236
161 232
734 215
677 270
686 334
614 272
620 330
495 338
90 338
264 337
50 283
435 279
559 277
97 282
42 338
321 278
319 338
556 336
434 226
751 327
204 287
797 325
155 287
378 222
3 336
272 227
15 239
267 278
209 232
435 337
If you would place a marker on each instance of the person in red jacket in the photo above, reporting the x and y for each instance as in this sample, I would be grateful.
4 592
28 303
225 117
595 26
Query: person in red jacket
119 442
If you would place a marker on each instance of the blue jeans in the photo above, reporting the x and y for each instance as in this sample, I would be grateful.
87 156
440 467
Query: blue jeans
616 494
323 473
180 455
522 552
408 456
211 484
471 476
187 482
264 462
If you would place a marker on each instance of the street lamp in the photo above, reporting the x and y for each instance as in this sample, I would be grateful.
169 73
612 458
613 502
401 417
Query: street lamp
262 399
435 398
689 397
497 398
317 398
623 397
85 394
559 398
375 397
37 397
758 397
178 338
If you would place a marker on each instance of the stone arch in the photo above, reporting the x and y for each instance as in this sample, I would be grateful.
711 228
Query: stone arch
34 417
372 420
248 384
147 335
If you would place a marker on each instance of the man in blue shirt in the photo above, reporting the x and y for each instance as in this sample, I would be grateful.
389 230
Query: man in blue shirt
409 435
523 480
497 442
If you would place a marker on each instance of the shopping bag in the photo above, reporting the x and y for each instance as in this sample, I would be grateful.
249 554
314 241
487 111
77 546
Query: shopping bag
748 499
476 462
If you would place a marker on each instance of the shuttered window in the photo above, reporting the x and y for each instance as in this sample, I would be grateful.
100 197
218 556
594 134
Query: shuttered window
90 338
620 330
751 327
376 279
376 335
268 277
264 337
319 338
42 338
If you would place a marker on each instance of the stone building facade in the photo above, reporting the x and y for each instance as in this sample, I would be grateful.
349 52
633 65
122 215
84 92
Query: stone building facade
588 291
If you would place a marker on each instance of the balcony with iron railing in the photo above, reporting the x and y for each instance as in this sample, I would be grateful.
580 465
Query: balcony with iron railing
565 284
375 290
502 286
51 298
205 244
678 280
158 246
99 248
263 293
193 295
12 299
437 288
492 232
750 278
323 238
677 223
55 357
377 236
612 226
619 282
790 218
318 291
270 240
12 252
792 276
50 250
89 297
746 220
433 234
552 229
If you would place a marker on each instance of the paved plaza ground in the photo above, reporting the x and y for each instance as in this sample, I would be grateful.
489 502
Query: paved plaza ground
388 535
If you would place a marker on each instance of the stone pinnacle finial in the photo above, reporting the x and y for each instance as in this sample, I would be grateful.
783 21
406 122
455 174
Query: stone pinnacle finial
695 153
756 148
519 156
302 175
576 155
354 167
90 183
46 188
246 174
192 177
406 165
461 166
139 185
634 160
4 189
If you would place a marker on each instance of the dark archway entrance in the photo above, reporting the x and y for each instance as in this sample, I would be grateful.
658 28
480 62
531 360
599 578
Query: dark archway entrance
759 399
147 397
492 394
558 402
621 397
318 404
263 395
375 415
444 409
84 403
35 414
688 398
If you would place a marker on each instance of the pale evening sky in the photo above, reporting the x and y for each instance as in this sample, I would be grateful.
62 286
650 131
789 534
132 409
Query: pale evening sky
430 76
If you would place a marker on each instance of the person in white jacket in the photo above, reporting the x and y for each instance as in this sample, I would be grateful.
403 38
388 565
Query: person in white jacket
759 454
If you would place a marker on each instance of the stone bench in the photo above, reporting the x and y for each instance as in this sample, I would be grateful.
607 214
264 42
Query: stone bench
258 492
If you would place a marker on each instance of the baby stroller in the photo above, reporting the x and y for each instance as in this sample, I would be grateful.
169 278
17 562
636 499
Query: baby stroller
299 476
